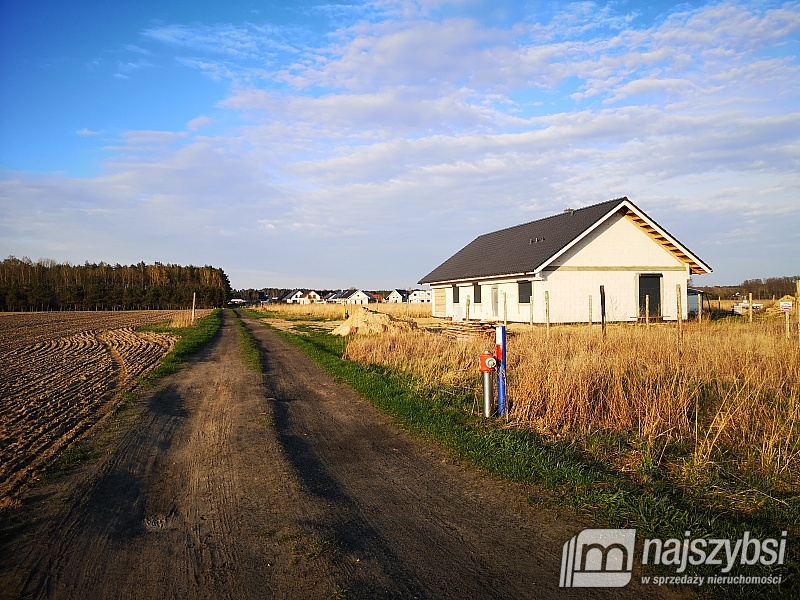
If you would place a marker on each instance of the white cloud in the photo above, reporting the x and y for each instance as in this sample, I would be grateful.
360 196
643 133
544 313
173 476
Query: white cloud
199 123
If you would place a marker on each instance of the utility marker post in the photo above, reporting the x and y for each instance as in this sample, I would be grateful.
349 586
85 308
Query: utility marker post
680 311
750 307
590 310
647 310
194 300
500 353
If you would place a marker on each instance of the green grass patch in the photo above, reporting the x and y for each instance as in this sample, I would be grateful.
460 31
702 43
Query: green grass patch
248 347
191 340
560 473
68 459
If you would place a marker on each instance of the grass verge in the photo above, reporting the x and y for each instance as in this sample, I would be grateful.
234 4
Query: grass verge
248 347
191 340
561 473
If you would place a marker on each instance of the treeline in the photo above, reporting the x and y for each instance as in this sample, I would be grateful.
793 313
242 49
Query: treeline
47 285
762 289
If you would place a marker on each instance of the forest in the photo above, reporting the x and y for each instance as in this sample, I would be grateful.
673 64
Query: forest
47 285
762 289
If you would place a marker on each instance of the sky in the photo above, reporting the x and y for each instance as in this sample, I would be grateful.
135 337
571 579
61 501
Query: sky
313 144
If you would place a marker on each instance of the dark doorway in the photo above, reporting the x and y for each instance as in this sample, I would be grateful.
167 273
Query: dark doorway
650 285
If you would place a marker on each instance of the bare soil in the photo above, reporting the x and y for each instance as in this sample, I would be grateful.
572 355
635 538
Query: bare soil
287 484
59 371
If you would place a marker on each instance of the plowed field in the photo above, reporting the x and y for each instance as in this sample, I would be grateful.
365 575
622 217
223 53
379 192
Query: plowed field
58 372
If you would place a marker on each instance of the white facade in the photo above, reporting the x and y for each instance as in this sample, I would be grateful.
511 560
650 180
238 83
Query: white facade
395 297
617 254
359 297
419 296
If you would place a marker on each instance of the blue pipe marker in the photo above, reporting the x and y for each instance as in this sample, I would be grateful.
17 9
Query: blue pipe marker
500 352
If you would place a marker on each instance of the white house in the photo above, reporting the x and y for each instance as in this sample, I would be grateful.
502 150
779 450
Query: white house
310 297
352 296
292 297
397 296
419 296
360 297
558 264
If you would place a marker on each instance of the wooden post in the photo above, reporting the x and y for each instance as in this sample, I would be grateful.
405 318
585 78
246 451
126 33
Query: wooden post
750 307
547 311
647 310
467 319
603 310
194 300
700 307
530 304
590 310
797 310
719 303
680 311
505 310
788 327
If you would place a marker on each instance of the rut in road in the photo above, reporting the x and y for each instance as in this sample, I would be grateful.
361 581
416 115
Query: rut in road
234 484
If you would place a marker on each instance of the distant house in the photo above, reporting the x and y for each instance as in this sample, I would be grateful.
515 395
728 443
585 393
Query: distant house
360 297
310 297
353 296
419 296
397 296
566 258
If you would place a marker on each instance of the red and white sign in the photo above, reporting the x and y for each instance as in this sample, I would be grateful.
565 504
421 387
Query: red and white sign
786 306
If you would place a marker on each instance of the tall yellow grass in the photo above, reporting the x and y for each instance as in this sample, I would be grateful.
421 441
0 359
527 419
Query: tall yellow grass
336 311
727 396
183 318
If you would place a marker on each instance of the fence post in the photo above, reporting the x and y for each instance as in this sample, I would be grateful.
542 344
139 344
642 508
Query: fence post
467 319
505 310
547 311
700 307
750 306
680 311
647 310
194 299
530 305
788 327
603 310
590 310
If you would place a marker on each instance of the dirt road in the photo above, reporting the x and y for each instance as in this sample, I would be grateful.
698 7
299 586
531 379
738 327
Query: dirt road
233 484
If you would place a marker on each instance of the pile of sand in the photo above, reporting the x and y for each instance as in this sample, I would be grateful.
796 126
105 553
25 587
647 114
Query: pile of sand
775 309
365 322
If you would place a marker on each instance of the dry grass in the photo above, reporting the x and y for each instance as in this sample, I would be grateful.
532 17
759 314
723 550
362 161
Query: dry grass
184 317
336 311
724 402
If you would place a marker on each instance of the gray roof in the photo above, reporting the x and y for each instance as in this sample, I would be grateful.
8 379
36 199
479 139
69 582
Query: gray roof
523 248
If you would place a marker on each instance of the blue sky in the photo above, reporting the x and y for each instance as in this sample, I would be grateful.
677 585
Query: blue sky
361 144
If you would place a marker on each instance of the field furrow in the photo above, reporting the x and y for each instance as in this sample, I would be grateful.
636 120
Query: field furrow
59 373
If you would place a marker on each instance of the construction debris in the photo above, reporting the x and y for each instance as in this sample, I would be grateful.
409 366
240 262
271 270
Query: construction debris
363 321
